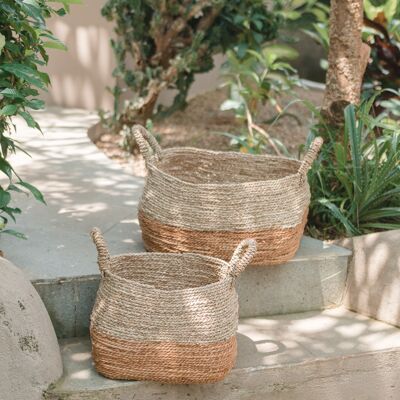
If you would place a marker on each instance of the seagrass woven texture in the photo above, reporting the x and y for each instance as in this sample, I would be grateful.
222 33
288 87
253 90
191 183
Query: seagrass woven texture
206 202
166 317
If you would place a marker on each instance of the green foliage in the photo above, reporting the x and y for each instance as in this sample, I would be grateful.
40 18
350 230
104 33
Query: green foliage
24 40
258 78
309 16
389 8
391 106
163 43
382 33
355 183
264 75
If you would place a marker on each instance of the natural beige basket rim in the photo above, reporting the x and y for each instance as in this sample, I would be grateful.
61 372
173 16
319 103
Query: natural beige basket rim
115 275
153 166
147 141
241 257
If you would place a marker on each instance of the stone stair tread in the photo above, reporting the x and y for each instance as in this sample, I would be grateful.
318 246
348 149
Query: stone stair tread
274 343
83 188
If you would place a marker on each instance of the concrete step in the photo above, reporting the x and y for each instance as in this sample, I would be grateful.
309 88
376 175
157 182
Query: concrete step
329 355
313 280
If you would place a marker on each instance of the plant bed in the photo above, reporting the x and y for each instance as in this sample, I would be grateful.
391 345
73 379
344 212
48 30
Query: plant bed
201 122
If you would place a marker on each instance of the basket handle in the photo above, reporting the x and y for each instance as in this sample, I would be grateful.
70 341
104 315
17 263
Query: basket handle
311 155
146 142
242 256
103 256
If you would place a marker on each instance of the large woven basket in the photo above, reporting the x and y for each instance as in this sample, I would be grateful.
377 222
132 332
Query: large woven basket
206 202
166 317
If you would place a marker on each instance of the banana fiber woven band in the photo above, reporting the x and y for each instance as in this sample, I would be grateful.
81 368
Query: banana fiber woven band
206 202
166 317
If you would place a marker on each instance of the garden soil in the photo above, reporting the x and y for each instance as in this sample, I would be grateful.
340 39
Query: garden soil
201 123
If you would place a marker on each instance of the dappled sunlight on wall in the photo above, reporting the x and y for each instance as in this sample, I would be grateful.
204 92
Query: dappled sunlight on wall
80 75
374 276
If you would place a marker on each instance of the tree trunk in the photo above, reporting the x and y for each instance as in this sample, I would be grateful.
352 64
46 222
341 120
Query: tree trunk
348 57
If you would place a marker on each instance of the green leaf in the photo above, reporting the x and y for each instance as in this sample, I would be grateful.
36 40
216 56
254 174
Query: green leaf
350 228
384 212
388 8
242 49
52 44
15 188
5 198
12 232
281 51
352 134
12 93
385 226
11 211
340 155
8 110
29 119
2 42
293 15
36 192
6 168
380 198
346 181
35 104
26 73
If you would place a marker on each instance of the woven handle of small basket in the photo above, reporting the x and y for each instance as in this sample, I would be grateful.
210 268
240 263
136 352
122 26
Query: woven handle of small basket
103 256
311 155
242 256
147 143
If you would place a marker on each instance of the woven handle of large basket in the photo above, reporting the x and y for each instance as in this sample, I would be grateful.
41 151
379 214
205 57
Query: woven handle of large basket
147 143
242 256
103 256
311 155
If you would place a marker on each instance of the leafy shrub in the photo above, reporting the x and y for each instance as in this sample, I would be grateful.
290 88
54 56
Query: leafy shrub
355 183
163 44
258 78
264 75
382 33
309 16
24 40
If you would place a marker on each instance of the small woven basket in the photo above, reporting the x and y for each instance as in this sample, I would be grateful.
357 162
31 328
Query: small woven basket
166 317
206 202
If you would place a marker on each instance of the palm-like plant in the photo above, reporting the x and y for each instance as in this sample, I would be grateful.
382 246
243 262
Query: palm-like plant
355 184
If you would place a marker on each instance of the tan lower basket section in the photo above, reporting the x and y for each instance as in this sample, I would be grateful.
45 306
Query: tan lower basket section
165 362
274 246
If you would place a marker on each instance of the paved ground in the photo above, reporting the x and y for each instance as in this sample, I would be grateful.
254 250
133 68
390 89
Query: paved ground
82 187
325 352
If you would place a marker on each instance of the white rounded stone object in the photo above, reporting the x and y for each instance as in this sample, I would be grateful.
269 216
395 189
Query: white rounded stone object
30 357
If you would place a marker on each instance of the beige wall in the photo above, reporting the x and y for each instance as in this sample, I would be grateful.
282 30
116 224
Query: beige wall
80 75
